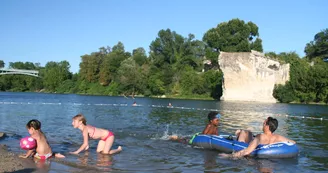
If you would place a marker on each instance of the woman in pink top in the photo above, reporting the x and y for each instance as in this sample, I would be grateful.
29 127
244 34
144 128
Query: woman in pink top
106 137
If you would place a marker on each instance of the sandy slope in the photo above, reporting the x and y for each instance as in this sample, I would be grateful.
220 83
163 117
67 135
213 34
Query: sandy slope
10 162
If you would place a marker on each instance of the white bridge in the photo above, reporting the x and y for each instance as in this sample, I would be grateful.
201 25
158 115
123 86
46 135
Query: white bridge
4 71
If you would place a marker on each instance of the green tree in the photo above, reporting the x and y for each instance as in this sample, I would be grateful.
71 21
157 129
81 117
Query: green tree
170 47
105 76
284 93
213 82
2 64
55 73
318 80
319 46
233 36
128 75
111 63
156 86
89 66
307 82
187 81
144 72
5 82
166 48
17 65
66 86
139 56
18 83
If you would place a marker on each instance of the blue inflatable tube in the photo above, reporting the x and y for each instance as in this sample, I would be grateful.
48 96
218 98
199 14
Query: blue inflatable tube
223 144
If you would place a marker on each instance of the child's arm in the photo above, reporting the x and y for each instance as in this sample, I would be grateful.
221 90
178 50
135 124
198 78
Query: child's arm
85 141
28 154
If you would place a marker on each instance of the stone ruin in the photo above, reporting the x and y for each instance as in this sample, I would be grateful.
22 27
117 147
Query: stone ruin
250 76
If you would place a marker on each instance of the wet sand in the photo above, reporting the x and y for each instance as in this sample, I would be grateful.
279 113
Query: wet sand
10 162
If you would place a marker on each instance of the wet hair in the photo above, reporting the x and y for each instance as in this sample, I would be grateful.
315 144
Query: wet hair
212 115
272 123
80 117
36 124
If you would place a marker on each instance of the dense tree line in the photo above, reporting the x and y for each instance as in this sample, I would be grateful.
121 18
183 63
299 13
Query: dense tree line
308 76
175 67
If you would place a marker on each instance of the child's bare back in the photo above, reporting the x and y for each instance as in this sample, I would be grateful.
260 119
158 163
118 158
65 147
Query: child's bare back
211 130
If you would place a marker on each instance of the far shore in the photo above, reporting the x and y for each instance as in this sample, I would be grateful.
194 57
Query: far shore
178 97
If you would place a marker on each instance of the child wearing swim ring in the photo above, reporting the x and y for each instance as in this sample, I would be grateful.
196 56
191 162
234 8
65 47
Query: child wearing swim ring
43 149
106 137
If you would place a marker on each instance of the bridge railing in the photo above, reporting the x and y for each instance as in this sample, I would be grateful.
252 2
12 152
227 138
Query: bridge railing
19 70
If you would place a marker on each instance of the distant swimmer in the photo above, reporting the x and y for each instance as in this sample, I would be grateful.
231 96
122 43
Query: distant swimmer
134 104
170 105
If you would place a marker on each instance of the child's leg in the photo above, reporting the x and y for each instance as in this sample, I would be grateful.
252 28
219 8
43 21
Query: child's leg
101 146
174 137
58 155
108 146
245 136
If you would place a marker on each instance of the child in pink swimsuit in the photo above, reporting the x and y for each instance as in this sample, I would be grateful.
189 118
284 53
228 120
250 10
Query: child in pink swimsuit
106 137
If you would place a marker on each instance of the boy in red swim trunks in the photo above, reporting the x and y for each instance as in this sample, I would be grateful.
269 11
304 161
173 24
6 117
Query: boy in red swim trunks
106 137
43 150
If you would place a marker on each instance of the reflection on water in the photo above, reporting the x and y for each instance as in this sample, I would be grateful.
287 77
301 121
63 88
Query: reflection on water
102 162
42 165
83 158
142 131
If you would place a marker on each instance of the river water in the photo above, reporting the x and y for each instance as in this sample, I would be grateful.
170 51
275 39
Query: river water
143 132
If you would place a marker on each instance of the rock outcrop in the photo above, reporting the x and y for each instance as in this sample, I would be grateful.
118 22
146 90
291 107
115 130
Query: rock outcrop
251 76
2 135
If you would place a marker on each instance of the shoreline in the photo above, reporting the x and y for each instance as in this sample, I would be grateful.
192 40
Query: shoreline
10 162
205 98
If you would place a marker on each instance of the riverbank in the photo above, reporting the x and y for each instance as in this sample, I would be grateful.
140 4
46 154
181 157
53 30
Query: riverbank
10 162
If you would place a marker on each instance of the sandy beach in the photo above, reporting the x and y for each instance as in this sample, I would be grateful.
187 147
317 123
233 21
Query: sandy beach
10 162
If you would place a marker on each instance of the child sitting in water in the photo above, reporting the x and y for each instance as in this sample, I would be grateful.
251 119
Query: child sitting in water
106 137
43 150
211 128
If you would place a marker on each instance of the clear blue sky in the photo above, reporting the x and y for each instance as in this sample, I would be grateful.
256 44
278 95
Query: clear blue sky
42 31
